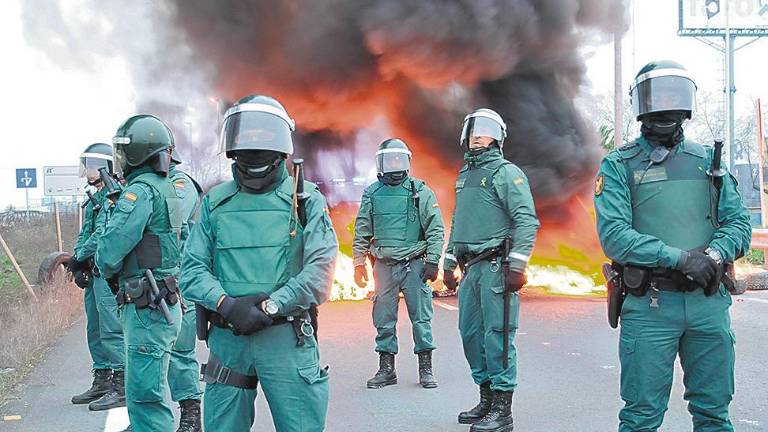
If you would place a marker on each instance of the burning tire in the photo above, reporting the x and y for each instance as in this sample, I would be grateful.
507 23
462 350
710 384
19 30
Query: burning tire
756 281
54 262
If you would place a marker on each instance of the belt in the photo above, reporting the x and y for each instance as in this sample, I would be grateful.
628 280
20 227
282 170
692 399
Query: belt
302 326
394 262
669 284
219 321
486 255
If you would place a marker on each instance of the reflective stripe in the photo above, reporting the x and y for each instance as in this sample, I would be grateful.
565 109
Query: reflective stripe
518 256
451 257
393 150
96 156
656 73
258 107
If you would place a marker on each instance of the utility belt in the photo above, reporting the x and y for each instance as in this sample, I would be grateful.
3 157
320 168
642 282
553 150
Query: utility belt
636 280
139 292
469 259
302 325
393 262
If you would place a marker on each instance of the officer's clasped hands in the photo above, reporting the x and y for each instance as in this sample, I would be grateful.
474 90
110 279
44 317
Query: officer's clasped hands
698 267
449 279
244 313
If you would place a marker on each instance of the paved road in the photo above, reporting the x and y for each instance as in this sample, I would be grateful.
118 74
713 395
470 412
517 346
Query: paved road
568 369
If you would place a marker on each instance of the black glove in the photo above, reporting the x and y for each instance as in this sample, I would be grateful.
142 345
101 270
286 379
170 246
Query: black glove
361 275
428 272
513 280
698 267
244 314
73 265
449 279
81 278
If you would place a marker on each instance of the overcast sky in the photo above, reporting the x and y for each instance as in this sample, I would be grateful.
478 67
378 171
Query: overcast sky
50 114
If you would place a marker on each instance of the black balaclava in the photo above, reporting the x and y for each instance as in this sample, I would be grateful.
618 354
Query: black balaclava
257 170
393 178
474 152
663 128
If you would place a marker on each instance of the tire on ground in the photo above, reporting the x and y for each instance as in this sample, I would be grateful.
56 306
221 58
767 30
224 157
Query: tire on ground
757 281
54 262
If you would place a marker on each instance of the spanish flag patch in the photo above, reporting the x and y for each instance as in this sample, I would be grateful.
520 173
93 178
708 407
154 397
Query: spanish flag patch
180 184
130 196
435 205
518 181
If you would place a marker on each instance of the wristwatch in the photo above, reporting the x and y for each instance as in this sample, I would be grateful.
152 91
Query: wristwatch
715 255
270 307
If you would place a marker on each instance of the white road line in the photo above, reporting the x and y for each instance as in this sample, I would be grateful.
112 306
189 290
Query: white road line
445 305
117 420
758 300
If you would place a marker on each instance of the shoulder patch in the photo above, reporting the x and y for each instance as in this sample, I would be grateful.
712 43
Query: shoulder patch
518 181
130 196
599 184
435 205
179 184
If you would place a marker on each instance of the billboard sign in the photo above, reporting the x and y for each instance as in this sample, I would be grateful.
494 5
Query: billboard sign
708 17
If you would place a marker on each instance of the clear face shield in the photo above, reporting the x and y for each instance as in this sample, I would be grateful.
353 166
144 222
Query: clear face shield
480 127
90 165
393 160
253 130
121 163
663 93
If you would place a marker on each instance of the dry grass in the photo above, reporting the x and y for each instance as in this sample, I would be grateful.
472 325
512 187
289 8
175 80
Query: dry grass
29 328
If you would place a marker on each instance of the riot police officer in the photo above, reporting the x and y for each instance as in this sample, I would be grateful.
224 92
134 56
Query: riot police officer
103 329
670 222
256 266
400 227
139 253
183 369
492 235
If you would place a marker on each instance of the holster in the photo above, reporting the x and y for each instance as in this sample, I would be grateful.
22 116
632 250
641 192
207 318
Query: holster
616 293
202 324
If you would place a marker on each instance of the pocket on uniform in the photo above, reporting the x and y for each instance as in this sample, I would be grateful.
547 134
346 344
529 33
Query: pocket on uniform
627 358
313 374
144 373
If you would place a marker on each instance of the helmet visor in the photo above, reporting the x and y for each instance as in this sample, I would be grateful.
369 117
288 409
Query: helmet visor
392 160
121 162
664 93
480 127
253 130
89 166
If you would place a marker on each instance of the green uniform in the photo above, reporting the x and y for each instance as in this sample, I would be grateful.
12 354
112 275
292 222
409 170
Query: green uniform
493 202
184 371
103 330
650 224
147 208
242 245
401 227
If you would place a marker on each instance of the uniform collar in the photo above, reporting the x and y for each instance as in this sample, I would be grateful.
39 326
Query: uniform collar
490 155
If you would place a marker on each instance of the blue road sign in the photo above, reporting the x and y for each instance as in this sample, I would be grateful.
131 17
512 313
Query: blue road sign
26 178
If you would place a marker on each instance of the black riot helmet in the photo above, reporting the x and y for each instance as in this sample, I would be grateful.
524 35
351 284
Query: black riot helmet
94 157
663 86
257 122
483 122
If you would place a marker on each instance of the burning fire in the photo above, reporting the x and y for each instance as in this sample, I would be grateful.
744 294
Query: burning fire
344 287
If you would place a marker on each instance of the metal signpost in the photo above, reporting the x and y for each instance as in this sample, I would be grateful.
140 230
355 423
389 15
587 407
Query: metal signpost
726 20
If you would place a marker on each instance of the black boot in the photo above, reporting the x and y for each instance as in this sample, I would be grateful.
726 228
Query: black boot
426 377
101 386
386 374
190 416
116 396
481 409
499 418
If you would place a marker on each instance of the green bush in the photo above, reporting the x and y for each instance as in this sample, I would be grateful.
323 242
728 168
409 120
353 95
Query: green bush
755 256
